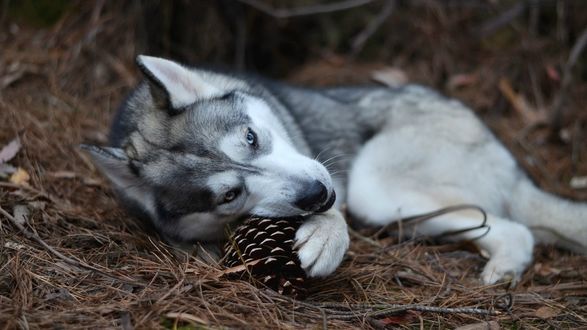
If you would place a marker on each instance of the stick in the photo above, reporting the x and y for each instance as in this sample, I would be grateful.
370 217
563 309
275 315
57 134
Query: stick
557 107
360 40
502 19
306 10
366 310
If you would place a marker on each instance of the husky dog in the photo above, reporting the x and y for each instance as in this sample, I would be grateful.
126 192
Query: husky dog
193 150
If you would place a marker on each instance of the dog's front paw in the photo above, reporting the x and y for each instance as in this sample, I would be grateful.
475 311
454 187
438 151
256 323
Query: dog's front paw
322 242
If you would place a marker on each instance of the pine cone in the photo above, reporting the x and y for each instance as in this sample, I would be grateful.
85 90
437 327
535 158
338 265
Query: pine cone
265 247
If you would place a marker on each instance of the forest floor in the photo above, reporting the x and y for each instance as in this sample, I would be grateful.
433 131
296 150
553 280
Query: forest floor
81 261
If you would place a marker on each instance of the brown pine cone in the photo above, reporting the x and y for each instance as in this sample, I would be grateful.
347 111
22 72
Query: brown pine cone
262 249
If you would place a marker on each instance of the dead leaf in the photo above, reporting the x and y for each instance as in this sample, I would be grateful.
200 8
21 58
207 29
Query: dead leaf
547 312
93 182
545 270
462 80
21 214
62 175
491 325
37 205
391 77
529 115
10 150
13 246
186 317
578 182
20 177
552 73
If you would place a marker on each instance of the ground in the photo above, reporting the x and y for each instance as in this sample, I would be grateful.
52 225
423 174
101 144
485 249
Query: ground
82 262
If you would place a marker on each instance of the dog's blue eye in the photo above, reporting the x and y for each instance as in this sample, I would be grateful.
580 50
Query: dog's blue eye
251 137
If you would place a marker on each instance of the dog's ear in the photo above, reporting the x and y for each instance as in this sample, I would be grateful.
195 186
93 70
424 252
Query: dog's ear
114 164
172 85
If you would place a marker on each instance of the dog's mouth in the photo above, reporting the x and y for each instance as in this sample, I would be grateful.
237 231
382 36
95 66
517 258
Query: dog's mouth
328 203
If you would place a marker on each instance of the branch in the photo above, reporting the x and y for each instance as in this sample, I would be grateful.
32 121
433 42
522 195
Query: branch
350 311
502 19
360 40
559 101
306 10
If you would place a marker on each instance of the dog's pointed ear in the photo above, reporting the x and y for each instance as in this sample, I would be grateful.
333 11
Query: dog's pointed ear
114 164
172 85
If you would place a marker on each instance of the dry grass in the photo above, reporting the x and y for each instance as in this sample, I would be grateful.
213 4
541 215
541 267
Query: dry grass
69 79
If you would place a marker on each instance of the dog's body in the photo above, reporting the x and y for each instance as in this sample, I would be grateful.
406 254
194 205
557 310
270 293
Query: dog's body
193 150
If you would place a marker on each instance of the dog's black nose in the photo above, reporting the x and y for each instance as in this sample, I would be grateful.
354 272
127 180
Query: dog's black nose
314 196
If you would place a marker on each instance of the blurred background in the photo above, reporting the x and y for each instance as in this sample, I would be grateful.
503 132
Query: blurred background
520 64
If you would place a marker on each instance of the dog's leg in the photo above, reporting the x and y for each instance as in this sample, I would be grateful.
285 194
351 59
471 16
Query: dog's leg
322 242
508 244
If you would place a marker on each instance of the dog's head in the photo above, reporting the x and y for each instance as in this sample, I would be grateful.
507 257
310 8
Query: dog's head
204 150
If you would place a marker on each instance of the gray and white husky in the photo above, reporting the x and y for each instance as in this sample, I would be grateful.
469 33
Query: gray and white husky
193 150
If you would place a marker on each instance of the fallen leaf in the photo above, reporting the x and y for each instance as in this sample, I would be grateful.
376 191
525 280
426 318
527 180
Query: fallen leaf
552 73
520 104
62 175
186 317
491 325
578 182
545 270
462 80
547 312
20 177
10 150
391 77
21 213
14 246
38 205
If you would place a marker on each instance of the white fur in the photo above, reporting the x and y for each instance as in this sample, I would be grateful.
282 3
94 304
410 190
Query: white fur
273 188
206 226
322 242
401 173
184 86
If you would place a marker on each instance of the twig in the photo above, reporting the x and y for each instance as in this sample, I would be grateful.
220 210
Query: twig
363 238
377 310
73 262
502 19
559 101
360 40
306 10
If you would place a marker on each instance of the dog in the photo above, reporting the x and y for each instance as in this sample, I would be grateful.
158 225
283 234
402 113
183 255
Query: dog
193 150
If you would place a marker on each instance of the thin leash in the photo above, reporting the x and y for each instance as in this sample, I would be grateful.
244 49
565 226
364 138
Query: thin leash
417 219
